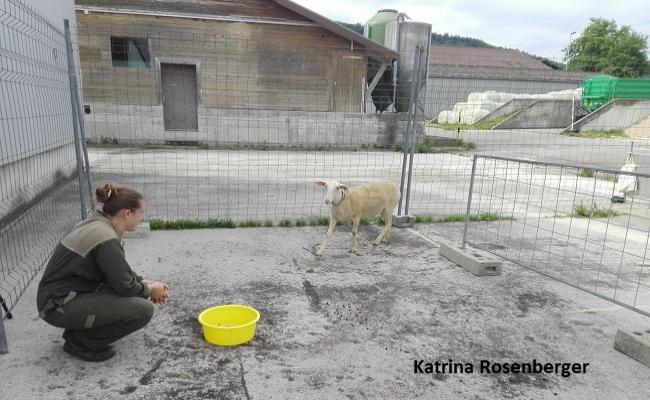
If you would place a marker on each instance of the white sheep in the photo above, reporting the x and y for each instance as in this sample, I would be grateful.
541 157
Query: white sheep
369 200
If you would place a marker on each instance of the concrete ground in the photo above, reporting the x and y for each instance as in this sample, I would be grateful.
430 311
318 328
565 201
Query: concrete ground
548 145
184 183
343 326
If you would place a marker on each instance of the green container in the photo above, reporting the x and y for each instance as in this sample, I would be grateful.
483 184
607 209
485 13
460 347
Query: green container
375 28
602 89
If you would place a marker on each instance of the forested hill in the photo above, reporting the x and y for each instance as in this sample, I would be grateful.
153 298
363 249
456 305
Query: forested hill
446 39
437 39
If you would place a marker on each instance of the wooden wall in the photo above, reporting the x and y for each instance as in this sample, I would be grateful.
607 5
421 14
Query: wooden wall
242 65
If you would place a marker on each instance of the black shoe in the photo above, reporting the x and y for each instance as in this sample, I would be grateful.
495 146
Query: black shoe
86 354
69 337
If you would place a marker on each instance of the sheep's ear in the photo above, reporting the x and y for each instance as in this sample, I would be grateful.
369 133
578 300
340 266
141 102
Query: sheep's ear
320 183
343 187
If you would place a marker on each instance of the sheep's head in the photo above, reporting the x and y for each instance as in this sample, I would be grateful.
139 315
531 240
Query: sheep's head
335 191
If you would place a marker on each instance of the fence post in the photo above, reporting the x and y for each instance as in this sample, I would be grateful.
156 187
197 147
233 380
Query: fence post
75 121
407 139
4 347
414 116
469 200
82 126
573 111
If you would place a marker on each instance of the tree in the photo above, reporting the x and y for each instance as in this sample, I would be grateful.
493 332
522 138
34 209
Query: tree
603 47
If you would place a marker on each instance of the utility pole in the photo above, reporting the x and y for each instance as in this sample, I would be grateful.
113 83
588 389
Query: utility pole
566 66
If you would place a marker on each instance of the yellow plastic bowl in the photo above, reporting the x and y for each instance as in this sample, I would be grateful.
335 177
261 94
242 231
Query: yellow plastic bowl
229 325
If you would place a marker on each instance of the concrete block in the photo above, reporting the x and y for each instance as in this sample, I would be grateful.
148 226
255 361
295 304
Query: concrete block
143 230
403 221
634 343
476 261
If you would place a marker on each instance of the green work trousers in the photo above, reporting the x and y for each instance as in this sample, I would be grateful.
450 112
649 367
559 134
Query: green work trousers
94 320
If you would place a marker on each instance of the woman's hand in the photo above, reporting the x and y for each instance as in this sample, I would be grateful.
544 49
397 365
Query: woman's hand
159 292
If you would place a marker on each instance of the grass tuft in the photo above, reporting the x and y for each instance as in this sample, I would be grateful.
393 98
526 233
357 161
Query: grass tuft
587 173
611 133
159 224
483 217
584 211
249 223
285 223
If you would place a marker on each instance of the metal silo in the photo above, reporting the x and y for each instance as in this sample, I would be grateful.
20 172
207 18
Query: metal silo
374 28
404 36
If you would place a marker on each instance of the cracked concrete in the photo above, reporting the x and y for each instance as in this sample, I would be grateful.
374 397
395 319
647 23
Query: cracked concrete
342 326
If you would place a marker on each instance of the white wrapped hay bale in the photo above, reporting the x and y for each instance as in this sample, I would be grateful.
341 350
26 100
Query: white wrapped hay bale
490 95
463 106
453 117
488 105
443 117
571 94
473 116
555 95
505 97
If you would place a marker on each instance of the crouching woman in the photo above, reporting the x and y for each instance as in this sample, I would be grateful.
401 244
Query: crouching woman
89 289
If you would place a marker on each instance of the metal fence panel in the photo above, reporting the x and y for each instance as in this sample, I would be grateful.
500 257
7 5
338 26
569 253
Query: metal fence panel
274 114
273 117
562 222
39 187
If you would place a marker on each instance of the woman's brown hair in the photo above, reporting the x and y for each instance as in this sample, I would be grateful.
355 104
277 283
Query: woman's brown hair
116 198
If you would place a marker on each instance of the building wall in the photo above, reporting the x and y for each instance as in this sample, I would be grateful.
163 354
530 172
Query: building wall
443 93
243 65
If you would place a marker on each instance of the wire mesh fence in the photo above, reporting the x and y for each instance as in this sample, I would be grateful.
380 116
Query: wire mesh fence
211 118
577 227
504 103
39 190
210 123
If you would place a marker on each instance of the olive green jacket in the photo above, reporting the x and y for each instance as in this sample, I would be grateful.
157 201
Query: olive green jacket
88 259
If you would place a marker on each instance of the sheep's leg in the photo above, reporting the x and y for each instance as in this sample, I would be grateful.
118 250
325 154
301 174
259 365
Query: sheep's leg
385 233
327 238
355 230
388 224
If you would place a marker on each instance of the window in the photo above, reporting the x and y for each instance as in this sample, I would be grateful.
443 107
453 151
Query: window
130 52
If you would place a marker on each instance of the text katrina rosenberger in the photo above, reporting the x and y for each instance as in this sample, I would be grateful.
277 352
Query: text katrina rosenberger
564 369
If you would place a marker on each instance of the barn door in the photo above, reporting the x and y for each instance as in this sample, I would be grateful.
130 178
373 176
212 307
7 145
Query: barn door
180 105
345 83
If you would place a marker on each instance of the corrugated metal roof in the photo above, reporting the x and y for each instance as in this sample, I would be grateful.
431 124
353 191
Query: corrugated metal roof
526 74
484 57
477 62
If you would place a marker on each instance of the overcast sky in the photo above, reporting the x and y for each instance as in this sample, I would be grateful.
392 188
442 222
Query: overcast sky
539 27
